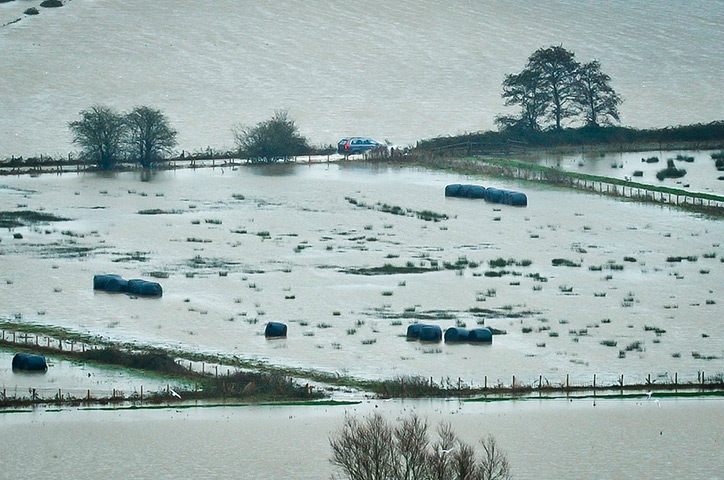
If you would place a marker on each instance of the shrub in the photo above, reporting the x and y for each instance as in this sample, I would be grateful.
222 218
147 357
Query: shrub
374 449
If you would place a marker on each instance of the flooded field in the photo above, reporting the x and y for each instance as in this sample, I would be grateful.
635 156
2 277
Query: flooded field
582 284
543 439
641 167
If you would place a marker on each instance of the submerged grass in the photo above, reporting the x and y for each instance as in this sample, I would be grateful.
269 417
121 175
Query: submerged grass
388 269
23 218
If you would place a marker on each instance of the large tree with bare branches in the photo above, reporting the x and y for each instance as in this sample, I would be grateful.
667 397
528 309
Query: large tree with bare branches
100 133
374 449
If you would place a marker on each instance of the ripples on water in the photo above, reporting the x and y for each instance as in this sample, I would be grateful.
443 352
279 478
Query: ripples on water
402 71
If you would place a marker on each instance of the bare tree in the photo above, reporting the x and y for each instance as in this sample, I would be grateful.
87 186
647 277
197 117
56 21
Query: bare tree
372 449
524 89
598 100
557 70
150 135
100 133
494 464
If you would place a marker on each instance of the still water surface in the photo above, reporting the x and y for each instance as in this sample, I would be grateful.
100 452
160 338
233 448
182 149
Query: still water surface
622 439
401 71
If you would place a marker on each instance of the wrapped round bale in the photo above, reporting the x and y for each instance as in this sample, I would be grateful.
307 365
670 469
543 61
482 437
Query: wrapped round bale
431 333
476 191
456 334
516 199
465 191
453 190
30 362
109 283
480 335
494 195
275 330
413 331
143 287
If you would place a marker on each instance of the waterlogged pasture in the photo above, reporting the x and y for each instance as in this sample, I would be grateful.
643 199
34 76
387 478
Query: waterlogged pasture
702 173
348 255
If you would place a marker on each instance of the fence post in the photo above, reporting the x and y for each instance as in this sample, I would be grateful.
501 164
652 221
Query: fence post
568 378
594 381
676 378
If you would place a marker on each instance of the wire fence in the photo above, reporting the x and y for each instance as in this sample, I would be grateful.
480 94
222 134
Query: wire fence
408 386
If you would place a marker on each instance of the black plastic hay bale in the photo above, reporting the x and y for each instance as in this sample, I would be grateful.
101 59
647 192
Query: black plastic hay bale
143 287
516 199
480 335
493 195
413 331
109 283
29 362
456 334
465 191
275 330
453 190
431 333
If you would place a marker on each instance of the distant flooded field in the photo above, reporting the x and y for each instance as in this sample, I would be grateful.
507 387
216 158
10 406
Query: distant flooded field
582 284
403 72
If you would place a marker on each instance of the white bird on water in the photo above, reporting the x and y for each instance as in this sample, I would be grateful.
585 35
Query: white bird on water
648 394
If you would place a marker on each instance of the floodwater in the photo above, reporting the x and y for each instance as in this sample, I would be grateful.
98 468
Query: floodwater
702 177
242 247
401 71
626 439
249 245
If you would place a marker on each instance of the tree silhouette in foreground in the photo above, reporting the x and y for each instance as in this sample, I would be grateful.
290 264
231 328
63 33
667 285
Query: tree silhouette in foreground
373 449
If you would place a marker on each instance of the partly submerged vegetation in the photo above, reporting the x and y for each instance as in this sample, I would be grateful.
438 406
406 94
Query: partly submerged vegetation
257 381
